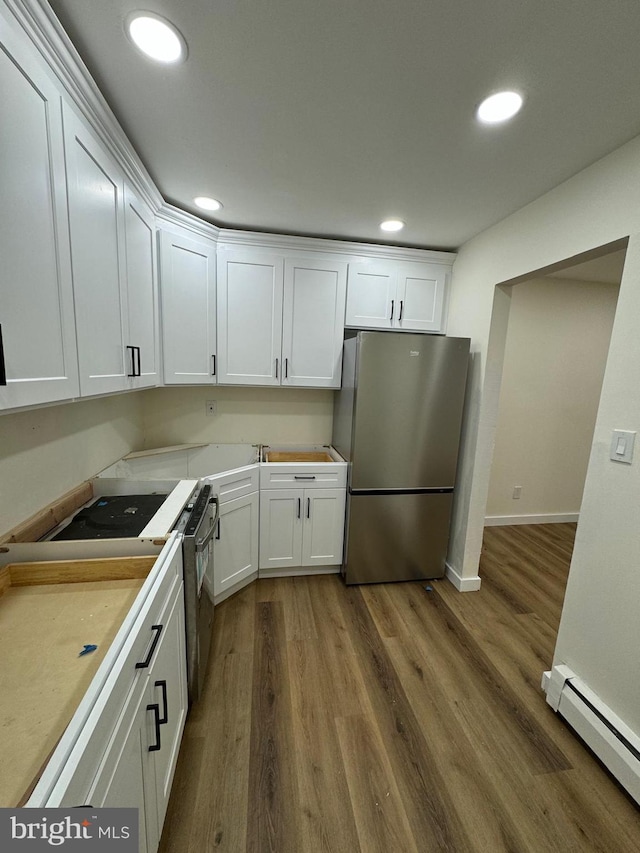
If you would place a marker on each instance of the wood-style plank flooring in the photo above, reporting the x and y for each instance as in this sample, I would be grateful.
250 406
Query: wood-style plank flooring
394 719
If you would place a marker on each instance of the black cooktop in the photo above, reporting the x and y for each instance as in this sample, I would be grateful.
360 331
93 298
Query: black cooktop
112 517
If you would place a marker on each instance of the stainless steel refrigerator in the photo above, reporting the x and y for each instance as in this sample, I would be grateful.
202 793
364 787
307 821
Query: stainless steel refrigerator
397 421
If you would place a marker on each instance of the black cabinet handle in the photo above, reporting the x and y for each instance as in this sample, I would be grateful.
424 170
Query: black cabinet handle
165 714
139 373
304 477
286 368
308 507
213 360
145 663
3 369
156 718
218 531
276 368
299 506
401 307
135 362
392 304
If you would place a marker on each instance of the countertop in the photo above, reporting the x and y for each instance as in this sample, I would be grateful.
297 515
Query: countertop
43 627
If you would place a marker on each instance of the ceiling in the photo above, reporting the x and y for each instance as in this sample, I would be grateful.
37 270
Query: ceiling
323 117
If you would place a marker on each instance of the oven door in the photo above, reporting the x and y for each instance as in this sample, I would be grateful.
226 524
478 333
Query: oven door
203 543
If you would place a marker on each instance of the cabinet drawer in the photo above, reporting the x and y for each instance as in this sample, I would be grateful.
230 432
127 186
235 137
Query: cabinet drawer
287 476
234 484
136 643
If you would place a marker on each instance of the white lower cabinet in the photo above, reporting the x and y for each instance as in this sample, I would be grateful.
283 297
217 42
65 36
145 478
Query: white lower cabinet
126 777
137 768
235 546
301 527
124 748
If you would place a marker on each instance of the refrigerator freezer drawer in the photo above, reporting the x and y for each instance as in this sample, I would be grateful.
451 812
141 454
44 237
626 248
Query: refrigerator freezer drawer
396 537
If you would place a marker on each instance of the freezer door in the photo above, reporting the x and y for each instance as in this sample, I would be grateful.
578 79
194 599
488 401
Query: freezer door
408 409
400 537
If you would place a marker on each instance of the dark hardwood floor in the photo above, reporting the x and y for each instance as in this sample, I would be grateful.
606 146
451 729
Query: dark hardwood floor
394 719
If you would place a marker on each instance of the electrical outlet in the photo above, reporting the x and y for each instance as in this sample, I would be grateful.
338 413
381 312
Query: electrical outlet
210 407
517 491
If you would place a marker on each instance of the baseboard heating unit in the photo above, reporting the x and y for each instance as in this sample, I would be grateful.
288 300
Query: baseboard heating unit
615 744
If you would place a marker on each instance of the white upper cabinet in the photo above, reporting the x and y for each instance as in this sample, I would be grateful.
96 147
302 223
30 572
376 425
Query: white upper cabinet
188 293
96 216
142 291
113 255
38 361
249 317
313 320
400 295
420 293
371 295
280 319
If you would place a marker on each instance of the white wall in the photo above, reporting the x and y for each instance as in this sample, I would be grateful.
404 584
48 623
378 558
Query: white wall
600 629
251 415
555 355
46 452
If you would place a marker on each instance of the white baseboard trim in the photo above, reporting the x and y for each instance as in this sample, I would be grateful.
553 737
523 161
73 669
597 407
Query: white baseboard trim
462 584
615 744
547 518
299 572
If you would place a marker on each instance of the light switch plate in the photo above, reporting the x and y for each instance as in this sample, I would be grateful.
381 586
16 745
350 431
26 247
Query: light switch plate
622 442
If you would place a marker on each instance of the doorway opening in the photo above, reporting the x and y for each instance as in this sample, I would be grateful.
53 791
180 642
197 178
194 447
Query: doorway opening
555 351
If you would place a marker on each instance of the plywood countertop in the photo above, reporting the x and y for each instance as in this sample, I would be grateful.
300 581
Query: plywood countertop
43 627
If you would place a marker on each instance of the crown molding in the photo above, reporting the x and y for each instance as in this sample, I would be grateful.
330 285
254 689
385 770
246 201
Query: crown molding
170 215
38 21
322 245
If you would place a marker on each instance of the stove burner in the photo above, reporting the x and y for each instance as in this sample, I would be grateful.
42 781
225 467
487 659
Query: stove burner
112 517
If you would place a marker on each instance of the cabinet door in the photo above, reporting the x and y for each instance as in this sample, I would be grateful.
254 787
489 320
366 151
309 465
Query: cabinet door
323 534
188 293
281 528
235 547
96 216
37 331
249 317
142 292
125 777
313 322
168 690
421 290
371 295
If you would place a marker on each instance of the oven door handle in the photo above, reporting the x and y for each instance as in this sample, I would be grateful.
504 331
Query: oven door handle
201 544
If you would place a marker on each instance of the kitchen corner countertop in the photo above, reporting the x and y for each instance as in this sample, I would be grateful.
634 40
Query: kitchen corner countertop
43 628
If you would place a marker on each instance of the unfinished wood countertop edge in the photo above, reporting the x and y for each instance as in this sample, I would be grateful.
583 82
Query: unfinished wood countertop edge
41 522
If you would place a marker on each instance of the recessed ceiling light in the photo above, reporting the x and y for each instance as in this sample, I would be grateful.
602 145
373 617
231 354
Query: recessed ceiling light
499 107
392 225
156 37
207 203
